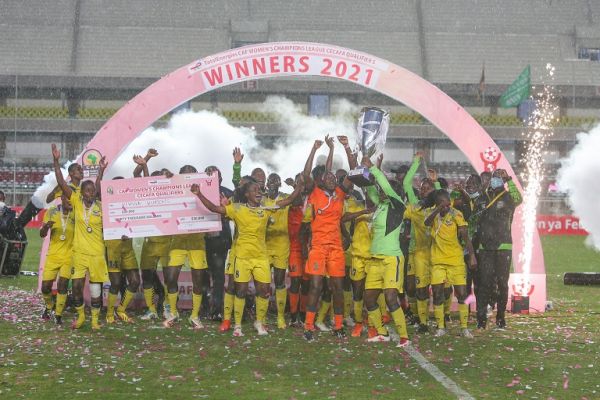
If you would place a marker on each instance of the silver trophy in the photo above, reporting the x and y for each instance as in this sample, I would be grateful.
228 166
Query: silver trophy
371 130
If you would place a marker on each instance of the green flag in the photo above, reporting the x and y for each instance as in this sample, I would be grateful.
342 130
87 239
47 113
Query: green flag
517 91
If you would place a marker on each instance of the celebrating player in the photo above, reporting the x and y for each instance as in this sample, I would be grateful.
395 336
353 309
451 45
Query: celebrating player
251 259
447 227
278 243
59 221
326 256
88 244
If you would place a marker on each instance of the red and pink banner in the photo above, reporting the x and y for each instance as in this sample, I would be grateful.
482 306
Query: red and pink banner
559 225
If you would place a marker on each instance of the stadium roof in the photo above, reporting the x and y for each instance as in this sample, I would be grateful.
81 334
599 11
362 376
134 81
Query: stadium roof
446 42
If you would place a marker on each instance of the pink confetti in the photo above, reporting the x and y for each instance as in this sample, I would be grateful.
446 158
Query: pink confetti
565 382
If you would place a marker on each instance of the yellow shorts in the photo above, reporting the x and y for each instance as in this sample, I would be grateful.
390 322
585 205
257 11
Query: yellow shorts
95 265
279 261
57 266
256 268
151 256
196 258
449 274
358 272
422 268
122 262
385 272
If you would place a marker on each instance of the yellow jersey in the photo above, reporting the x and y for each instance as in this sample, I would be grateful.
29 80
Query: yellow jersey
115 248
445 247
61 233
74 188
88 227
251 226
188 241
278 239
361 237
417 215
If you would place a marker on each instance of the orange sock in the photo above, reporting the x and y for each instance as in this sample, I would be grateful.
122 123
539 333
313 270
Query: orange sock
294 299
338 320
303 300
310 320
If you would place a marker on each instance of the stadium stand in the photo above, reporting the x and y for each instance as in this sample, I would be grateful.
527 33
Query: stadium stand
70 61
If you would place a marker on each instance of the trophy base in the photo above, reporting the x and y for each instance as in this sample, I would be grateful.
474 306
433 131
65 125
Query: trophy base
360 177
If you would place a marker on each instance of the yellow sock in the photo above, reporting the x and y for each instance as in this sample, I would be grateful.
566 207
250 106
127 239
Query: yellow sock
423 310
48 300
376 322
110 306
149 297
438 311
280 298
447 305
412 304
382 305
262 306
347 303
323 311
125 301
463 312
95 317
61 300
227 306
400 322
172 297
238 309
358 312
196 303
80 316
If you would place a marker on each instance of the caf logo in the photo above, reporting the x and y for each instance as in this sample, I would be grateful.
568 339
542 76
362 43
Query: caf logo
490 157
316 266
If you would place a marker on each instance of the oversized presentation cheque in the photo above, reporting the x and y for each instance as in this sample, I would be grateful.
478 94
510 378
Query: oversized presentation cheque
157 206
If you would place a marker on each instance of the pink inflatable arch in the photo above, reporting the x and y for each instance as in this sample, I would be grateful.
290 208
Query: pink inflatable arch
300 59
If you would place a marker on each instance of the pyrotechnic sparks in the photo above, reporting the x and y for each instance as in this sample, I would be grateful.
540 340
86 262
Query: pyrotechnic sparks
539 129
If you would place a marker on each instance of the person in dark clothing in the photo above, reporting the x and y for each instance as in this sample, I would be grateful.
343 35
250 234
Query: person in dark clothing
217 246
495 246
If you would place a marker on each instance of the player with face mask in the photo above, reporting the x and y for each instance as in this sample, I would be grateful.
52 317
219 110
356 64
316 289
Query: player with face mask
495 246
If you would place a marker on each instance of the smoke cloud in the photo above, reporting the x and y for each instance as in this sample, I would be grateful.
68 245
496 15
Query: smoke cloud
205 138
578 177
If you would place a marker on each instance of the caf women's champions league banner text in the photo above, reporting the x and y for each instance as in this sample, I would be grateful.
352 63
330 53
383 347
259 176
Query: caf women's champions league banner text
158 206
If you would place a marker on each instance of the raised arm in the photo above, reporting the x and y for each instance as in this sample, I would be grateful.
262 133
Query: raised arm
513 191
52 195
431 217
311 158
103 165
290 199
137 172
219 209
329 162
352 162
67 191
237 166
381 180
407 183
141 166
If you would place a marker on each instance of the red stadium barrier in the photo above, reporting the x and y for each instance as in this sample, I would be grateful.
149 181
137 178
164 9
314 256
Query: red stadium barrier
559 225
36 222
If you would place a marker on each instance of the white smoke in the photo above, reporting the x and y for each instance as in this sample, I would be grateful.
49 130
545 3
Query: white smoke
39 196
578 178
205 138
192 138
